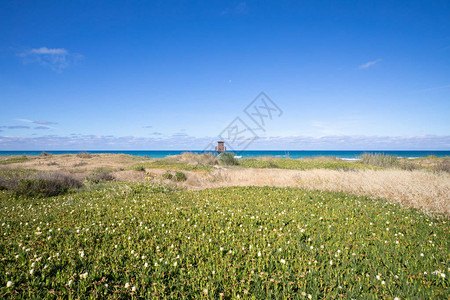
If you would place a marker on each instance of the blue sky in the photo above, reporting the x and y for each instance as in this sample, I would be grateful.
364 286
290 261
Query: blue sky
80 75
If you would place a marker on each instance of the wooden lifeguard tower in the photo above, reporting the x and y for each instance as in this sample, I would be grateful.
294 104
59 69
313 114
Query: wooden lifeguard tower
220 148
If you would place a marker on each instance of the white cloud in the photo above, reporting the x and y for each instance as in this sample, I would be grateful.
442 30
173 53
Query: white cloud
24 120
44 123
240 8
369 64
435 88
56 59
288 143
45 50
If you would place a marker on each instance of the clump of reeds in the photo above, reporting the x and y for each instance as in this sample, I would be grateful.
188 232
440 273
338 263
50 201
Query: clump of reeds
379 160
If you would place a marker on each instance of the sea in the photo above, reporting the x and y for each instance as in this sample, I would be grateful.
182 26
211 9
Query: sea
343 154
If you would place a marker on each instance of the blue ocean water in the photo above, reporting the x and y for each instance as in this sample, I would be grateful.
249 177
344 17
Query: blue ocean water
347 154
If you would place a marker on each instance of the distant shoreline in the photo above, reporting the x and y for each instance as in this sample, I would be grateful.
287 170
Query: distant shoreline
294 154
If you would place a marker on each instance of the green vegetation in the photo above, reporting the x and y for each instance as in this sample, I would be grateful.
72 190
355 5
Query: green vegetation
227 159
100 176
169 165
45 185
167 175
194 162
388 161
379 159
155 241
178 176
13 160
10 177
138 168
300 164
37 184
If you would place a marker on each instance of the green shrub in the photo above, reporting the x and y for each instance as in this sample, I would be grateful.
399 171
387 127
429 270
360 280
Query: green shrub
139 168
45 185
100 176
272 164
227 159
379 160
167 175
179 176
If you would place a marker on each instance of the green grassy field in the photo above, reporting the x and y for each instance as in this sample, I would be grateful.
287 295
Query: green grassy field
131 239
296 164
278 163
164 164
13 160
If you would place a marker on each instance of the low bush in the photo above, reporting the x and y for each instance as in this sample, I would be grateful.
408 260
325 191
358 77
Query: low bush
408 166
100 176
227 159
45 185
167 175
80 164
179 176
443 166
139 168
10 177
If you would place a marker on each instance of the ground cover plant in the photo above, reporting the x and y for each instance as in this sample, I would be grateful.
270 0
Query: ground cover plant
13 160
143 240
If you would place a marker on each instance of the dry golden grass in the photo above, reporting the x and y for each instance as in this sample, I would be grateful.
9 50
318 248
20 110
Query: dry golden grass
194 159
419 189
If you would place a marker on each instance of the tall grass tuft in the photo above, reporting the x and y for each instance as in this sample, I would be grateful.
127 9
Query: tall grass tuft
227 159
379 160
